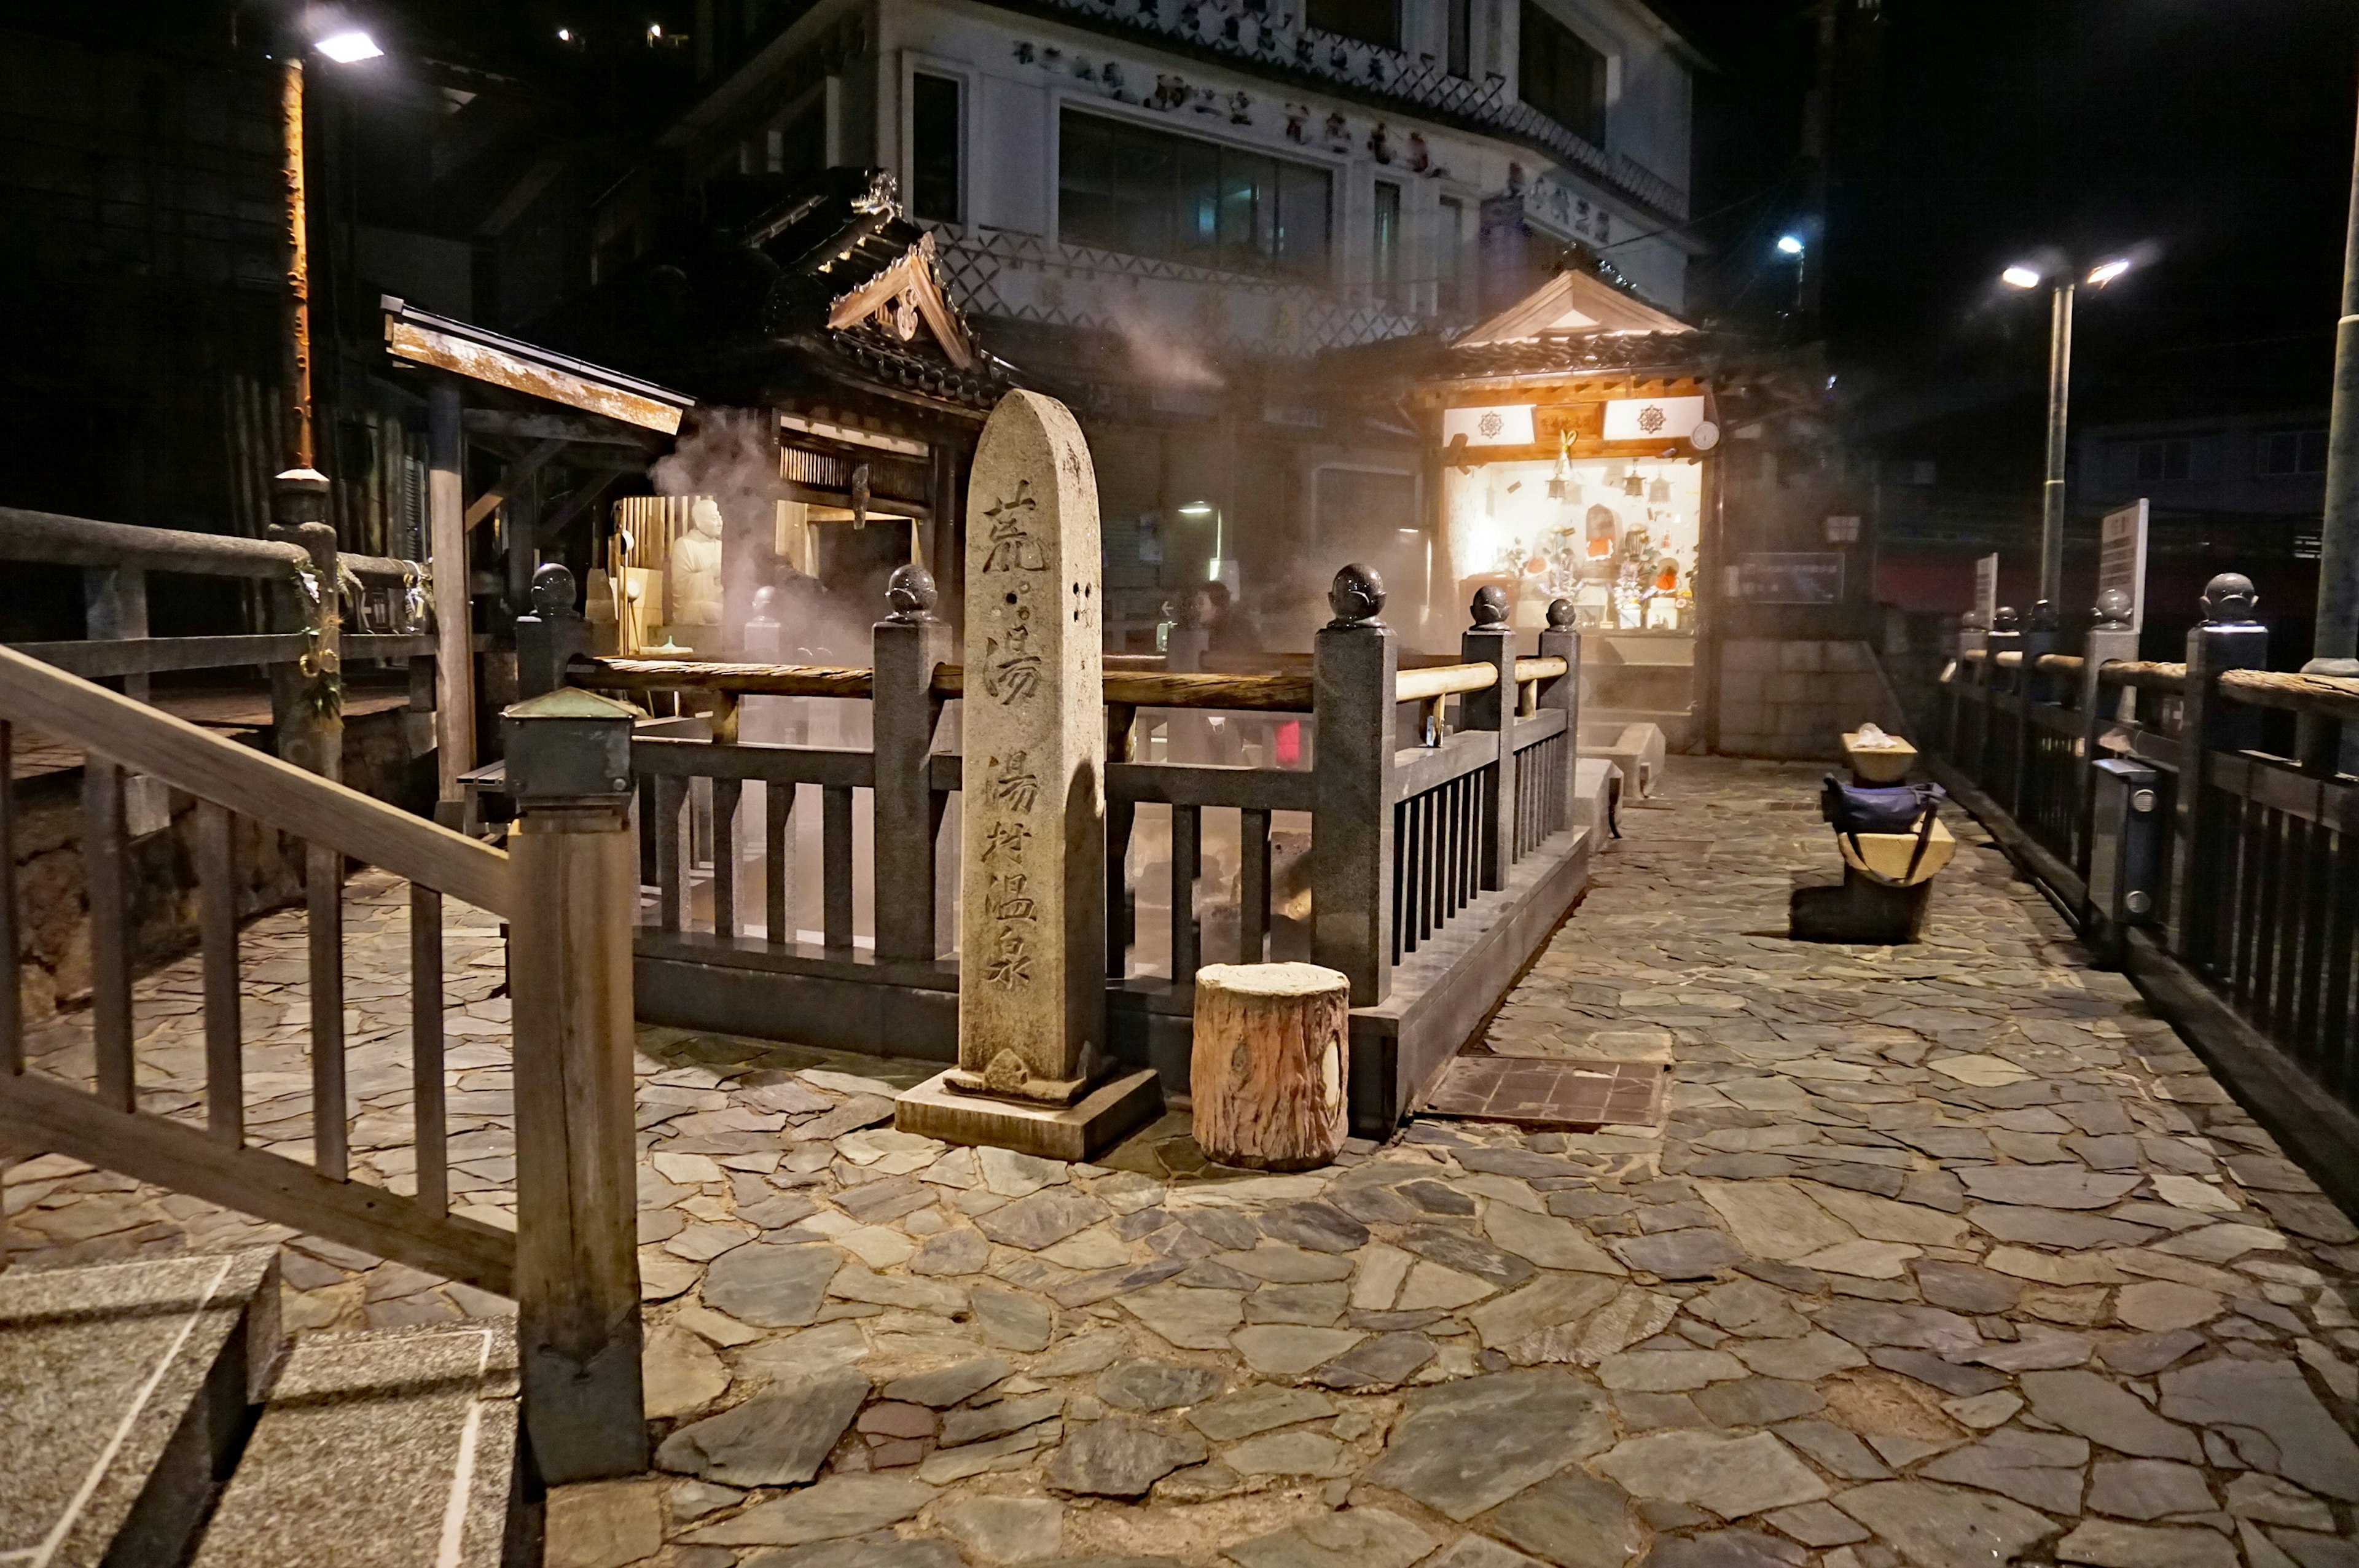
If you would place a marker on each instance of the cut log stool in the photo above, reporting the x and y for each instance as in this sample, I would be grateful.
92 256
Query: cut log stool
1267 1069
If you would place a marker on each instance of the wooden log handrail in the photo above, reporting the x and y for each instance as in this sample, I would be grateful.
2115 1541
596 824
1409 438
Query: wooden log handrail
2066 665
2145 675
1126 688
54 539
202 763
2334 697
1442 680
1540 669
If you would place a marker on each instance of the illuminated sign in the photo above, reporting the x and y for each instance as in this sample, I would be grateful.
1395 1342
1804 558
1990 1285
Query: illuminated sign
1501 425
1652 418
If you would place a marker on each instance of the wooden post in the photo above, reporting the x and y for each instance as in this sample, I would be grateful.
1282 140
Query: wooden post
550 637
307 697
2228 638
2003 638
1491 641
1355 675
903 650
1267 1068
2030 686
576 871
454 660
1562 641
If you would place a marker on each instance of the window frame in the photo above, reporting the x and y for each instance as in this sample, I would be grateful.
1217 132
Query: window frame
915 64
1594 130
1394 42
1063 105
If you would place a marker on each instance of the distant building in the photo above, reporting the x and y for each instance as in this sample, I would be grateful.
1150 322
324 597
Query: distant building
1161 209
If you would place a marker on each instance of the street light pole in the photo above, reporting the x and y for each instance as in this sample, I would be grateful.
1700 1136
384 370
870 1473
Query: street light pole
2335 643
2059 393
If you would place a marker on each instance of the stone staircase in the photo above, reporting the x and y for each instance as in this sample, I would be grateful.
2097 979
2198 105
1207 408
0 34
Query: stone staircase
152 1415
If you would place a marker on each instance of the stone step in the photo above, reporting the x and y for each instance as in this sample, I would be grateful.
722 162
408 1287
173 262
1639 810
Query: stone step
125 1388
380 1448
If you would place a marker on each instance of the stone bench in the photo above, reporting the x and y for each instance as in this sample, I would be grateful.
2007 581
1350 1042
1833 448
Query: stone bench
1637 749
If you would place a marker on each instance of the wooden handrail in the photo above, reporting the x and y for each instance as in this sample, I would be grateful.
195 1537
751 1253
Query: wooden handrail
2061 665
55 539
2334 695
66 709
1413 685
1540 669
2142 674
759 680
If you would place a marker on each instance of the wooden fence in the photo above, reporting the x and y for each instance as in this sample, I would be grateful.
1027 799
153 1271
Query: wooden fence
2213 854
1441 846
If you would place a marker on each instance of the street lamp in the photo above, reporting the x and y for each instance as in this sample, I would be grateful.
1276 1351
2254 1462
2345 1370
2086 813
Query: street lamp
2059 277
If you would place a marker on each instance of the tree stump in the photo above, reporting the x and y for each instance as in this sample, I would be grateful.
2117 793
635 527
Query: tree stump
1266 1072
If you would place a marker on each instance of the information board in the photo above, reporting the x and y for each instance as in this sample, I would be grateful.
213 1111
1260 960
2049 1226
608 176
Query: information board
1985 591
2121 559
1789 578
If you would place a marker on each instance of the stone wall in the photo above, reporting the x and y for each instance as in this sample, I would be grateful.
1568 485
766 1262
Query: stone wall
53 911
1794 698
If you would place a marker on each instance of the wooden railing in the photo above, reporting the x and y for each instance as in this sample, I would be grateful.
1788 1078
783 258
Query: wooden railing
1351 828
2153 798
563 891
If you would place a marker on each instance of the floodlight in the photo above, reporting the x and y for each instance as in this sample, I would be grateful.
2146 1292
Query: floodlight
2105 273
1789 244
2020 276
349 47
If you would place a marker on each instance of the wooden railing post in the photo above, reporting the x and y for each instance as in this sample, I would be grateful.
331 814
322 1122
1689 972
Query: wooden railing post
575 865
550 637
1354 672
1562 641
904 649
306 697
1492 711
2110 639
2228 638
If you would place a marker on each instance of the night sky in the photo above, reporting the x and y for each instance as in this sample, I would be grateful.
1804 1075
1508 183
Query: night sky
2214 135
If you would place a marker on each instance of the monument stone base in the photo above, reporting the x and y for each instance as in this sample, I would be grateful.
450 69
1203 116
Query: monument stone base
1072 1132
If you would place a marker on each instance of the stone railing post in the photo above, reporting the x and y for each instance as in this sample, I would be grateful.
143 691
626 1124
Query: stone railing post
551 635
1492 711
2110 639
904 648
2043 635
2003 637
2229 638
575 864
1354 678
1562 641
306 697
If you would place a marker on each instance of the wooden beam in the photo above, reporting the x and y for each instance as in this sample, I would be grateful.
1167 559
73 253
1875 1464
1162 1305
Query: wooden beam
514 474
483 361
499 424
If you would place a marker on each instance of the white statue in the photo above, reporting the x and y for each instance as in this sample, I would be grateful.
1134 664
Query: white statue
696 569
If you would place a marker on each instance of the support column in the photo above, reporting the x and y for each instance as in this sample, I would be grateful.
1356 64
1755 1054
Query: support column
1355 671
903 650
1491 641
2229 638
307 697
1562 641
454 659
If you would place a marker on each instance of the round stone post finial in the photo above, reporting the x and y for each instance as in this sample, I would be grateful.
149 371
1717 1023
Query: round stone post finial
2229 599
912 594
1490 606
552 589
2044 617
2005 619
2112 609
1357 597
1560 614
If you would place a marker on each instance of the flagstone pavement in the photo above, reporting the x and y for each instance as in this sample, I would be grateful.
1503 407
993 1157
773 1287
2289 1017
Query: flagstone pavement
1949 1254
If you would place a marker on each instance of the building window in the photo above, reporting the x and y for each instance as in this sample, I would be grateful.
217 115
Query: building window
1370 21
1561 76
1148 193
936 134
1449 257
1385 252
2167 460
1461 38
2287 452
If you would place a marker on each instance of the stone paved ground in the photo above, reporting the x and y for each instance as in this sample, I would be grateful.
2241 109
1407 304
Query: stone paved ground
1949 1254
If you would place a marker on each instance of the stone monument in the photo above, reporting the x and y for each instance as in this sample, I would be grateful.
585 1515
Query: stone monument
1033 1073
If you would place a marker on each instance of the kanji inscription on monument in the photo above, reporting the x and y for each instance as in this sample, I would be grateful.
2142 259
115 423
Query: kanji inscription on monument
1032 918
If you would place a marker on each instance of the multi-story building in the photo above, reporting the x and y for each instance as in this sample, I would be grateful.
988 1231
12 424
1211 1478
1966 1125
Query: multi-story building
1165 210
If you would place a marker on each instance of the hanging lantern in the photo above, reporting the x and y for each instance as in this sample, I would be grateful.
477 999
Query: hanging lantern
1659 491
1559 485
1634 485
